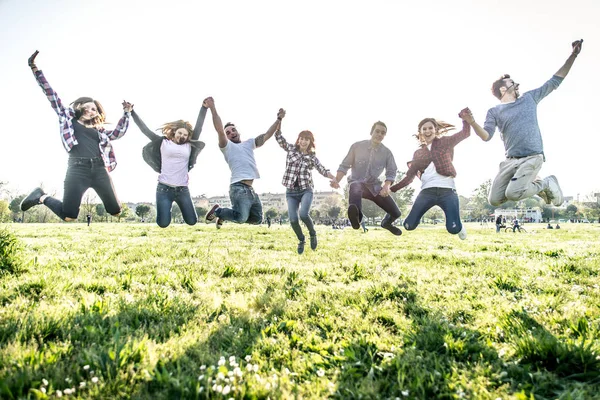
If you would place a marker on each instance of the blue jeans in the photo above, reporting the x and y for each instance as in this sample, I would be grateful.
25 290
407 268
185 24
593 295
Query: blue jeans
165 196
359 191
245 205
82 174
445 198
300 199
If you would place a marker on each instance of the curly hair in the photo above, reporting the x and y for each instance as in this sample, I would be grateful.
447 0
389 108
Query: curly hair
311 146
170 128
441 128
78 107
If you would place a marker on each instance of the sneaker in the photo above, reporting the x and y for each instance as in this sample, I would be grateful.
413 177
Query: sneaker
210 216
313 242
354 216
394 229
463 233
32 200
544 195
301 247
220 223
554 191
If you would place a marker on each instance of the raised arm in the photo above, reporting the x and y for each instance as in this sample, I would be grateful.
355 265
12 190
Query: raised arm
122 125
209 102
261 139
564 70
142 126
467 116
282 142
51 95
199 122
458 137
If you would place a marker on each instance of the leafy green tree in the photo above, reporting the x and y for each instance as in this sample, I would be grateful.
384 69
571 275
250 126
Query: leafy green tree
125 212
176 214
480 208
15 206
404 196
572 211
4 211
142 210
201 212
101 211
334 211
271 213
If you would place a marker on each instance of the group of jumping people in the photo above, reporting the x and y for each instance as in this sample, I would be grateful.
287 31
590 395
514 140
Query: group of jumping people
173 153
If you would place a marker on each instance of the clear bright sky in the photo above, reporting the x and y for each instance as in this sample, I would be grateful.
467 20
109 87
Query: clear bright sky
335 66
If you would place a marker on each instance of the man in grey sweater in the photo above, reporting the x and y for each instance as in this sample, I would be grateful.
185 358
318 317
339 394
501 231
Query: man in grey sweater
516 119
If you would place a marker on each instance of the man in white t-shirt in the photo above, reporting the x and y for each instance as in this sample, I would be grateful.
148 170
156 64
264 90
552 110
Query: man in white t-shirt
245 204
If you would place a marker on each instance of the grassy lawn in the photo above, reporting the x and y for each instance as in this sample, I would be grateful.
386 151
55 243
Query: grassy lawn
136 311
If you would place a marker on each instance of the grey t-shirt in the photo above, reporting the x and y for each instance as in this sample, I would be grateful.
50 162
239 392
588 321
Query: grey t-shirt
240 157
517 121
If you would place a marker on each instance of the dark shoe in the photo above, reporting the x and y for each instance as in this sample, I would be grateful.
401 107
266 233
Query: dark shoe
32 200
313 242
210 216
220 223
354 216
301 247
387 225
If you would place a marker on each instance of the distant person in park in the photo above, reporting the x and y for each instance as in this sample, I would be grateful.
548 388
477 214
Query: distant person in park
499 223
89 219
268 222
245 203
557 226
516 224
549 226
91 156
173 154
364 226
368 159
432 163
297 179
516 119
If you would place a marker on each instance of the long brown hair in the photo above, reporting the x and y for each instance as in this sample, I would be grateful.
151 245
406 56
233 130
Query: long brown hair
96 121
311 146
441 128
168 129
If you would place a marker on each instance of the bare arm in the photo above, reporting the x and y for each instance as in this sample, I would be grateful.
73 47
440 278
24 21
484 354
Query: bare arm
218 124
564 70
261 139
467 116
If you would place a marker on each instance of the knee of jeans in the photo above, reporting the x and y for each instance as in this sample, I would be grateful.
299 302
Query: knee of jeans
409 227
494 202
514 195
454 229
240 218
162 224
304 217
192 222
395 215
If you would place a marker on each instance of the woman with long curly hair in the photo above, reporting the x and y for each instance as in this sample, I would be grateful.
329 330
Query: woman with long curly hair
91 156
432 163
173 154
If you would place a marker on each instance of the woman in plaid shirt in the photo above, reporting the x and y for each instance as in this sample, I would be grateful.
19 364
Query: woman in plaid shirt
297 179
91 156
432 163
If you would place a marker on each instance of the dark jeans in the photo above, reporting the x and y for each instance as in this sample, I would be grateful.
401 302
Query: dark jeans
82 174
165 196
300 199
445 198
245 205
359 191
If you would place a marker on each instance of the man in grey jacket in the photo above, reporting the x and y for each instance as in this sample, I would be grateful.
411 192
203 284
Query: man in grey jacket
516 119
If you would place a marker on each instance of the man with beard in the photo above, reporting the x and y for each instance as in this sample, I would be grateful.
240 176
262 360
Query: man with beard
246 206
172 155
516 119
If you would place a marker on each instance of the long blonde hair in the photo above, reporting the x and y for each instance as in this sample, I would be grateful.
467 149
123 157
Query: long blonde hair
441 128
170 128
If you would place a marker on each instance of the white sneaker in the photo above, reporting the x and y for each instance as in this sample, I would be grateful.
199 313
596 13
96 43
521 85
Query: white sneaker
463 233
554 190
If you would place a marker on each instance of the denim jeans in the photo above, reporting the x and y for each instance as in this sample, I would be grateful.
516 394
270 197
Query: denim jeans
82 174
445 198
165 196
300 199
245 205
359 191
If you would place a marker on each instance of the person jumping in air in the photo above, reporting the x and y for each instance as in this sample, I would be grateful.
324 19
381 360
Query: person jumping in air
173 154
432 163
368 159
91 156
297 179
245 203
516 119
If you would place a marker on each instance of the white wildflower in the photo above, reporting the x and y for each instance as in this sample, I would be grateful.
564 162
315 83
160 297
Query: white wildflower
86 367
95 379
201 377
320 372
202 367
405 393
226 389
221 361
219 388
248 358
44 382
255 368
58 393
81 384
43 389
220 375
237 372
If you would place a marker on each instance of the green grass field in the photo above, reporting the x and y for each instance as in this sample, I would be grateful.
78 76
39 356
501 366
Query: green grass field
135 311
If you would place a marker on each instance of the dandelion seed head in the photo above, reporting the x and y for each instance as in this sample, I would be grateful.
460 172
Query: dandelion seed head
86 367
95 379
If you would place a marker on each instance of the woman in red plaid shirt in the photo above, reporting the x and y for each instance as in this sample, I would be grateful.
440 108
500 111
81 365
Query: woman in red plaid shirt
432 163
297 179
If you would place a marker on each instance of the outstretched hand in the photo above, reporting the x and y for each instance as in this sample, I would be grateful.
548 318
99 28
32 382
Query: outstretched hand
127 106
208 102
31 60
466 115
280 114
577 46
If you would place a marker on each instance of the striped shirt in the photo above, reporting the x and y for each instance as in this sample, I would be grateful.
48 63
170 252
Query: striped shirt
67 134
298 166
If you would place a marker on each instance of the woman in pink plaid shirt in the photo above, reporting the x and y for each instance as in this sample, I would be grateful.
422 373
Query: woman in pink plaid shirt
297 179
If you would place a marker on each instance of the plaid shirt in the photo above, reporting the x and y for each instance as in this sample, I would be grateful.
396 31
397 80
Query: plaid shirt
67 134
298 166
442 153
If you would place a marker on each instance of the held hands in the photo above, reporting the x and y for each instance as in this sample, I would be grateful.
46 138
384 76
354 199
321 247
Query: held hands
466 115
385 191
208 102
577 46
31 60
334 183
127 106
280 114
